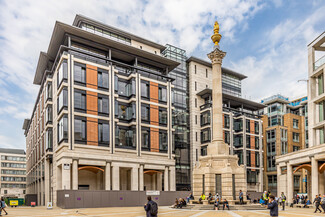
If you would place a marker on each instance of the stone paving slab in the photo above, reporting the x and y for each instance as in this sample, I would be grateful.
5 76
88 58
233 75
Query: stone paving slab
139 212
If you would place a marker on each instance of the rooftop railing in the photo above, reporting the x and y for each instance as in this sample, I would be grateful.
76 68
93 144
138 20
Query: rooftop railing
319 63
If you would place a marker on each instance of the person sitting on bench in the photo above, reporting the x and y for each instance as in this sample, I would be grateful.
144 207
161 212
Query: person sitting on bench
202 197
225 204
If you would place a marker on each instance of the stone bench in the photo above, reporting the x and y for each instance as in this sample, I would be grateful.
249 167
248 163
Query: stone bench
298 205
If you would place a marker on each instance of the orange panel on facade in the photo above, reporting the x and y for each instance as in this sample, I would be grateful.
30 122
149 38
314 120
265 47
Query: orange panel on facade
154 140
253 152
154 115
153 92
92 131
252 126
91 76
92 103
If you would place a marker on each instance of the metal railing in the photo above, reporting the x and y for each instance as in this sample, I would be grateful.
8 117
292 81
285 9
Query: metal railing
319 63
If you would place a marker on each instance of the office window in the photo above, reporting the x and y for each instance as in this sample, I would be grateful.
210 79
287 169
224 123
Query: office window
226 121
162 116
145 139
227 136
284 147
195 119
103 133
248 141
125 112
49 139
270 149
79 100
163 145
204 151
205 135
62 74
320 82
48 114
238 125
295 123
257 159
321 136
248 158
102 78
79 73
271 135
80 130
257 130
63 129
239 153
271 163
145 112
63 99
321 111
257 142
125 137
162 94
205 118
196 136
238 141
103 104
295 137
48 91
295 148
145 89
248 126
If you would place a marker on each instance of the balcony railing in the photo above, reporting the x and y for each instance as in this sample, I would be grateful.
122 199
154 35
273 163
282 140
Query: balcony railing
319 63
207 105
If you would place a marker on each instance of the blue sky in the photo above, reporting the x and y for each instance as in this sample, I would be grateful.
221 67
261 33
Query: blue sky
265 40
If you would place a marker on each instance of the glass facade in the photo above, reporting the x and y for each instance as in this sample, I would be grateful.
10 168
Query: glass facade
180 117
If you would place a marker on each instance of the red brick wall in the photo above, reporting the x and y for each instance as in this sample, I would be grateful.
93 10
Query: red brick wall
154 117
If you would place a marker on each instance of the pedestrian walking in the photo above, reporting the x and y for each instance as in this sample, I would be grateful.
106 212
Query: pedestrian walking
323 203
3 206
283 200
273 206
151 208
317 201
241 197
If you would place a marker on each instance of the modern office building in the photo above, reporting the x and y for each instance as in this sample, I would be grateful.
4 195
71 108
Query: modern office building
103 116
180 117
311 160
242 126
284 130
13 172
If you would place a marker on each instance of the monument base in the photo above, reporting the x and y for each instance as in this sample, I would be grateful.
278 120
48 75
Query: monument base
219 173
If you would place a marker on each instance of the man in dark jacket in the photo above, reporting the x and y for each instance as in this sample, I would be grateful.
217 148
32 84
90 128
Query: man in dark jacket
317 203
151 208
273 206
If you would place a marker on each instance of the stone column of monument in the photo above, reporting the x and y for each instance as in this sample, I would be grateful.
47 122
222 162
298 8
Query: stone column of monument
218 163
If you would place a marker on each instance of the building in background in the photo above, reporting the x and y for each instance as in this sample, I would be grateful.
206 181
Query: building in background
103 116
242 125
309 161
285 130
13 172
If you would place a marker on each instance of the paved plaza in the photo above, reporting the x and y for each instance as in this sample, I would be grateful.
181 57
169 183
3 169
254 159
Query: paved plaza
139 212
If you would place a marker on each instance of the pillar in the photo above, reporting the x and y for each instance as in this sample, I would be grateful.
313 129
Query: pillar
134 179
47 181
321 183
166 179
309 185
314 178
172 179
74 175
108 176
159 181
289 183
115 178
66 182
154 181
278 170
141 178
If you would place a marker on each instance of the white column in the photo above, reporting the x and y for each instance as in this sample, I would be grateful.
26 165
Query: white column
166 179
108 176
66 182
314 178
172 179
289 183
278 169
74 175
159 181
134 179
116 178
154 181
141 178
47 181
321 183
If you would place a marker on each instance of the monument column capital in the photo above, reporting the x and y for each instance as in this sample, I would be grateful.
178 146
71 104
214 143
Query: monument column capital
216 56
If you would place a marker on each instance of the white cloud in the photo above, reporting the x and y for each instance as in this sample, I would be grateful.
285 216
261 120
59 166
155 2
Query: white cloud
282 59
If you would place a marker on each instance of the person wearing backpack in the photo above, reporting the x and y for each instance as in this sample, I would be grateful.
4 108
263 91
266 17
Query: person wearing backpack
151 208
3 206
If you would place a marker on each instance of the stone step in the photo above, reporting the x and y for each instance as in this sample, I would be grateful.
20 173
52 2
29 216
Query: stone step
232 207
